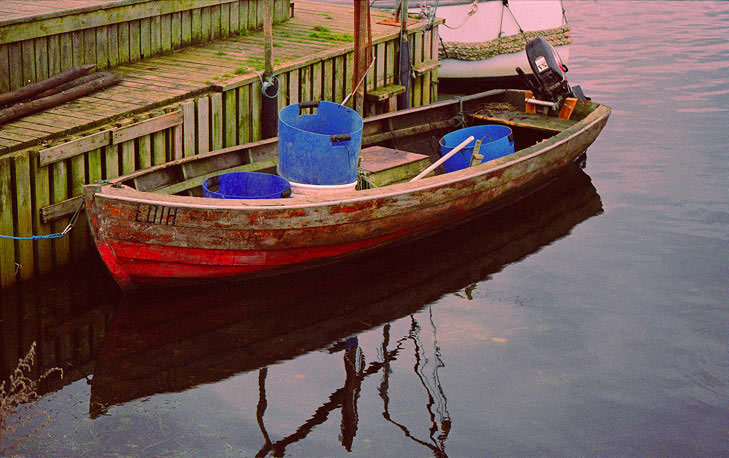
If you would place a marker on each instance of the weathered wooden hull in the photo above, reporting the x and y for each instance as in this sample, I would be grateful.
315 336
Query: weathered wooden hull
152 238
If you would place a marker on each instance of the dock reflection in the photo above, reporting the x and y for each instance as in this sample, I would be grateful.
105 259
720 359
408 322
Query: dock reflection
171 340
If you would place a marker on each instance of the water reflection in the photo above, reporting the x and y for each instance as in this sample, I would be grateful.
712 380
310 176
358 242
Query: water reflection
173 340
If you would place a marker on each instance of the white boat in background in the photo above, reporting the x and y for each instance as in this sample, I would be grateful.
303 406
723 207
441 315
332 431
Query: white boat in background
482 41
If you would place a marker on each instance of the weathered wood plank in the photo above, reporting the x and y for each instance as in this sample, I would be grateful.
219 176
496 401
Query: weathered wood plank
27 49
155 35
7 246
89 37
41 198
95 168
159 147
235 18
196 26
111 162
127 155
145 37
256 95
328 80
165 33
125 42
243 15
283 91
176 143
4 69
203 125
175 30
102 47
244 114
149 126
52 213
144 151
216 26
92 17
305 92
61 246
23 215
112 45
188 123
135 40
79 233
66 51
224 20
216 119
74 148
206 24
294 84
41 58
79 53
230 117
186 27
390 63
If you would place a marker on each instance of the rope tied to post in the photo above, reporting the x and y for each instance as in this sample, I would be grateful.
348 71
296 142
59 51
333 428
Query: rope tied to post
69 227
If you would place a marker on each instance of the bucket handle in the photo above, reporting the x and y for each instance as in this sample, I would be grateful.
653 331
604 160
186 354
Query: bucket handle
340 138
310 104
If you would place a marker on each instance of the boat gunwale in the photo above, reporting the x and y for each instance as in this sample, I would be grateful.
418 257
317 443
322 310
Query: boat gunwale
129 194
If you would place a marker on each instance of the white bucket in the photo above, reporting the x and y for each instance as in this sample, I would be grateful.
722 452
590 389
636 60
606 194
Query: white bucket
302 189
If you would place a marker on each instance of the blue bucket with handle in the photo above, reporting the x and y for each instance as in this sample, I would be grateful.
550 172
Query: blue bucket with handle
246 185
496 141
319 143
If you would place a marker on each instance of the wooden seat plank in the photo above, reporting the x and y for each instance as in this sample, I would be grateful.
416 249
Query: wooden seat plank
529 120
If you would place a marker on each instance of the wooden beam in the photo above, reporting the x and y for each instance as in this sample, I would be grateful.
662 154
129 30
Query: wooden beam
150 126
74 148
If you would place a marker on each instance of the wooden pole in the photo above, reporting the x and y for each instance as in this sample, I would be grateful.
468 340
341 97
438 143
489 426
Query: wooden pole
362 50
403 100
24 109
269 102
29 91
268 37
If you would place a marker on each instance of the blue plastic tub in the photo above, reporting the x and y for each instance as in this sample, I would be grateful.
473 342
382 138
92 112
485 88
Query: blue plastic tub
320 148
246 185
496 141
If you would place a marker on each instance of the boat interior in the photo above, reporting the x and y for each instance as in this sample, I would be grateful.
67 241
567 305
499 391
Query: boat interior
395 147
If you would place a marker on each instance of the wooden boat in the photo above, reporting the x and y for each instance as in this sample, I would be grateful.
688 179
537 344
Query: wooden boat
151 228
171 342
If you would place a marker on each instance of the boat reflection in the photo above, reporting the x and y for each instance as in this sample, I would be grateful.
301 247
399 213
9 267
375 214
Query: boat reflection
171 340
162 341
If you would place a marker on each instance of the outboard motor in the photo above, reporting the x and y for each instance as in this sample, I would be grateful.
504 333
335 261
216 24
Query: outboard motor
548 82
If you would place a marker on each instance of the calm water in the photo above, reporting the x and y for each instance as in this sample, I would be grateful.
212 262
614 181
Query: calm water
590 320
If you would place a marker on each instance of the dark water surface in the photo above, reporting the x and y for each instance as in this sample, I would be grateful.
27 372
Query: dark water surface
589 320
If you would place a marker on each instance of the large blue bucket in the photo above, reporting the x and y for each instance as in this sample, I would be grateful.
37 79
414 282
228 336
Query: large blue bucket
246 185
496 141
321 148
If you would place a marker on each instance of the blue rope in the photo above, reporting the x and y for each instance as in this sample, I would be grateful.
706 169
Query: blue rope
57 235
35 237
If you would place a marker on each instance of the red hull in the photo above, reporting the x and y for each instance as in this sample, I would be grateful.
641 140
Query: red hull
139 263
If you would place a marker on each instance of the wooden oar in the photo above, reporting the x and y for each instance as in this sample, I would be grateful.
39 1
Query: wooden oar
443 159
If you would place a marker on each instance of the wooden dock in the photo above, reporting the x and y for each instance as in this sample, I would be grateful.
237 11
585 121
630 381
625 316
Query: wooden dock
191 83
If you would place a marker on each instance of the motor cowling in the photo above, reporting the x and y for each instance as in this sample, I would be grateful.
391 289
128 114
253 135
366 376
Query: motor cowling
548 81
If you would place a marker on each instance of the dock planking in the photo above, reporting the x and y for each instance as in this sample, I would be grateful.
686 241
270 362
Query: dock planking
179 74
181 102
